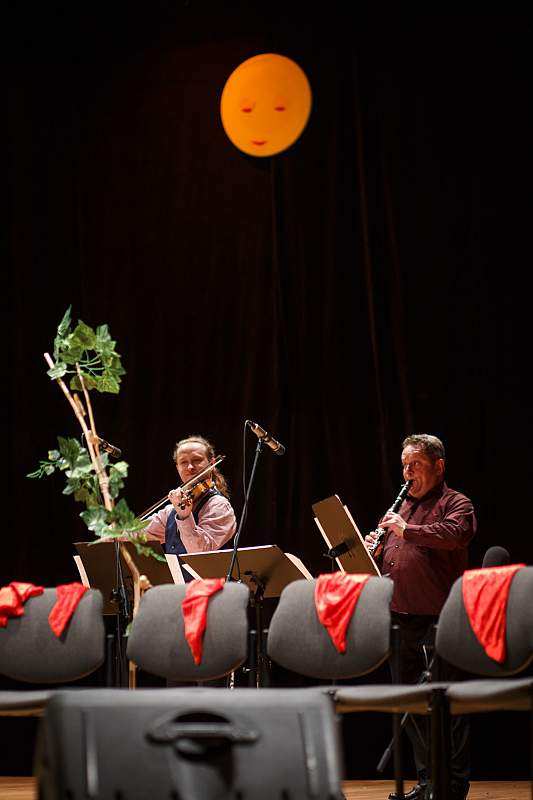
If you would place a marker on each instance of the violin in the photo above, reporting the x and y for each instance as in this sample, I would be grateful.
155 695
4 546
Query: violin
190 496
192 490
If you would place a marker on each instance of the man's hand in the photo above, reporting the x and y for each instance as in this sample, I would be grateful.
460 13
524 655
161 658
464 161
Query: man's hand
394 523
371 539
181 503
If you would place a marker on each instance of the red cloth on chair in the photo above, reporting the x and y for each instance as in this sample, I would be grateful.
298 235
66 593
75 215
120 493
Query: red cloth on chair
194 610
68 597
485 595
336 597
13 597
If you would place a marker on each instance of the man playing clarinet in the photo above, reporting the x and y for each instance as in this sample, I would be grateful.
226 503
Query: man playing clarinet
424 550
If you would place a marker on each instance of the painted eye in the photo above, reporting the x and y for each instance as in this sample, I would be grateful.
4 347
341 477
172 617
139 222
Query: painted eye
279 108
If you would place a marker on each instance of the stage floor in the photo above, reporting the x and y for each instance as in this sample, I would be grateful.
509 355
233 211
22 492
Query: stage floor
24 789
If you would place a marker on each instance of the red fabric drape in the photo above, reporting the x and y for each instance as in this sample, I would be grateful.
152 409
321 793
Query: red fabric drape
485 595
68 597
12 599
194 610
336 597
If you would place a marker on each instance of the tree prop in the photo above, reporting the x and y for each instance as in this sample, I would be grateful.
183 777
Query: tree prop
87 360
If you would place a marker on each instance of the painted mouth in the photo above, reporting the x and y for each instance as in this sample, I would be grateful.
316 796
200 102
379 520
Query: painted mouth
259 142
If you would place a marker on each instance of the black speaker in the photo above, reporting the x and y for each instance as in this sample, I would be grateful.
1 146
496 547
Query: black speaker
190 744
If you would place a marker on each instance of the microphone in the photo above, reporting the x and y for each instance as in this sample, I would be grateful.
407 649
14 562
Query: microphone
116 452
261 433
496 557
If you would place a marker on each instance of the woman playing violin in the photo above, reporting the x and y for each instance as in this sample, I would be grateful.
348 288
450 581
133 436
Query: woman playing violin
202 519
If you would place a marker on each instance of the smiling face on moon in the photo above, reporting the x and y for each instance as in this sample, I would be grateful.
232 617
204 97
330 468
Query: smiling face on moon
265 104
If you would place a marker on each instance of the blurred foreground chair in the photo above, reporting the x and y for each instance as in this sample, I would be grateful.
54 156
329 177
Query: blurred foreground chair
157 642
457 644
31 653
193 744
299 642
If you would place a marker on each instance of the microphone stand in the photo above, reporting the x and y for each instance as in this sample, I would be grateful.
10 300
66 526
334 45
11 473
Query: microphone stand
258 449
120 597
257 659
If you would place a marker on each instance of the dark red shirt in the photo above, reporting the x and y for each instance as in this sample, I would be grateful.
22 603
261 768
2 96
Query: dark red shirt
433 553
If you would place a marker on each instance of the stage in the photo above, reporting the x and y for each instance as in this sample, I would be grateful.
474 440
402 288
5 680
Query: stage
25 789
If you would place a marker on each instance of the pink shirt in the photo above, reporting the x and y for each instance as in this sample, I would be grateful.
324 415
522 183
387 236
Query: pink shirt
216 525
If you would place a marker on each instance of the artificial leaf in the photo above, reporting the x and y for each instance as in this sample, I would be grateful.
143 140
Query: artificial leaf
70 450
108 383
57 371
84 335
65 322
96 518
121 467
89 381
62 329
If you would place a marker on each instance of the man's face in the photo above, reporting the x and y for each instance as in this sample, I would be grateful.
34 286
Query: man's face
421 470
191 459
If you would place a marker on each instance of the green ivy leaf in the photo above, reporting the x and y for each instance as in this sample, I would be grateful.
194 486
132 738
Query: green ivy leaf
57 371
90 382
70 450
83 467
83 495
96 519
108 383
121 467
71 487
84 336
62 331
116 478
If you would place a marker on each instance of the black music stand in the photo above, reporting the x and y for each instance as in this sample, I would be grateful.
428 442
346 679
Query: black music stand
266 570
97 565
345 544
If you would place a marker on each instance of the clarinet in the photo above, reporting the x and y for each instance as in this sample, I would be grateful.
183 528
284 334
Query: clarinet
394 508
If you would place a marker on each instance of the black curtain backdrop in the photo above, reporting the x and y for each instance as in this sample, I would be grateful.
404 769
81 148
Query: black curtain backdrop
366 284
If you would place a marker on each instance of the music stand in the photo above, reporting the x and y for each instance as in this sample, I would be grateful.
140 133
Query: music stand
97 567
266 570
342 536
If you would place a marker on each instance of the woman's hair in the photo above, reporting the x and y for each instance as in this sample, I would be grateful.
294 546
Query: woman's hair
220 481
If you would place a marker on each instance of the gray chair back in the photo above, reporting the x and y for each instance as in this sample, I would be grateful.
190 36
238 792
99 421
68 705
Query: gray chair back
298 641
157 641
31 652
457 643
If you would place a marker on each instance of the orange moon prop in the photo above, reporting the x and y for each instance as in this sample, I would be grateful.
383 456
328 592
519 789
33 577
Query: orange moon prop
265 104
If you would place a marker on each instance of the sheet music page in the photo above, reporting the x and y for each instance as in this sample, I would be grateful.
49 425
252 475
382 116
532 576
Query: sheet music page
230 550
323 532
327 541
81 570
175 568
362 539
300 565
191 571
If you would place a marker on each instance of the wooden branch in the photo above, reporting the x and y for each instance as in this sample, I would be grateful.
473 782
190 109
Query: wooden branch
103 480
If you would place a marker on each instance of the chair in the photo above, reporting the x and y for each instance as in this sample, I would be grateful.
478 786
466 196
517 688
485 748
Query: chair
31 653
299 642
198 743
157 641
457 644
497 691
